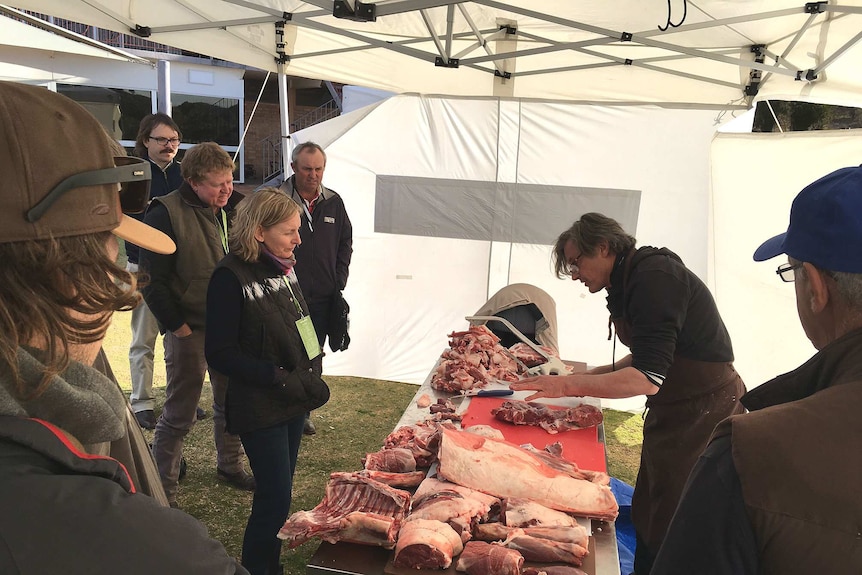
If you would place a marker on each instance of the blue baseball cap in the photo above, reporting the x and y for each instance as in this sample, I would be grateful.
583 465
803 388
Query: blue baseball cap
825 224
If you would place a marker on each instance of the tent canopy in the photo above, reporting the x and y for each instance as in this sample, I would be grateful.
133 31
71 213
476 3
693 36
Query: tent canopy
16 34
712 52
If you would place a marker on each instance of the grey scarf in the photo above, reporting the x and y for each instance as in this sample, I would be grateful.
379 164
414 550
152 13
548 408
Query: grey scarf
80 400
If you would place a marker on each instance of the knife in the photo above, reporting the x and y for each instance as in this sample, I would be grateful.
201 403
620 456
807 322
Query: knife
484 393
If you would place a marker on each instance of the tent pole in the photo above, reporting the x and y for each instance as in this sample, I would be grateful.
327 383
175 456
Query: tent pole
163 95
286 148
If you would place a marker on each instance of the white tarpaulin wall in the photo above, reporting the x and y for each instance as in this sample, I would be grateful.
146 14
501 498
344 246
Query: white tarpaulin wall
408 292
755 178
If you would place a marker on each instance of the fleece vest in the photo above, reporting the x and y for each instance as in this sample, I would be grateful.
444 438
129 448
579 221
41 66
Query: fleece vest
267 332
799 466
199 249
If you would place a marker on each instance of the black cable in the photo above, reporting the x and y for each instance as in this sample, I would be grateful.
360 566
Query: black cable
671 24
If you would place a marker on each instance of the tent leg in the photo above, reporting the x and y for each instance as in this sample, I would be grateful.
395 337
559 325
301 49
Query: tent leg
163 96
286 147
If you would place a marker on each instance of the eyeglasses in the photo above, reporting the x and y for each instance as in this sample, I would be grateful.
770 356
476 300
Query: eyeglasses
133 175
165 141
572 267
787 272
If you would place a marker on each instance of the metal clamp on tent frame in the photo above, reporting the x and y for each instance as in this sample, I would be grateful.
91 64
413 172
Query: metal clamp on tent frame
282 57
141 31
450 63
755 76
361 12
552 365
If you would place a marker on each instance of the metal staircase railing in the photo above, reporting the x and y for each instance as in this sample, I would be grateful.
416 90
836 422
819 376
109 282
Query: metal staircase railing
270 147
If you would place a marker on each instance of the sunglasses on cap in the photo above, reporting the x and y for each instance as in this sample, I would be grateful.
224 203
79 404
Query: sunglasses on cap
133 175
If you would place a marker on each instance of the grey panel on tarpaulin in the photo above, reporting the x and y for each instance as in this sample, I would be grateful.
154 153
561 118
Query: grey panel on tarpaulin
493 211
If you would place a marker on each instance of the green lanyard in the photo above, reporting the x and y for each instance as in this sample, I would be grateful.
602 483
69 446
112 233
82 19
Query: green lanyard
222 231
305 327
295 301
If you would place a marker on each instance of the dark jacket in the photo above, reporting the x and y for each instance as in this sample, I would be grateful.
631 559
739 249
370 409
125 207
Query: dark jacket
323 258
670 310
177 287
87 402
252 338
70 512
775 491
163 182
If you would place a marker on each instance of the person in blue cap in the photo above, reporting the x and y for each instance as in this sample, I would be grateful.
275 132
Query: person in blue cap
776 489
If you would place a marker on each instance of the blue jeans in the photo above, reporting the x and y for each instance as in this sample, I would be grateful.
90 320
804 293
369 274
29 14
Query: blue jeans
272 454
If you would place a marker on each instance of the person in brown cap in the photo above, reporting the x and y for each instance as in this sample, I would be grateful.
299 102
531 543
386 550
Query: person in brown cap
68 456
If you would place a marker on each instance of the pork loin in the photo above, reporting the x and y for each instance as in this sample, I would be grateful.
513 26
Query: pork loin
480 558
505 470
426 544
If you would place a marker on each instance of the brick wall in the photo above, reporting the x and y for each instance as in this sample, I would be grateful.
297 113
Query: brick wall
266 124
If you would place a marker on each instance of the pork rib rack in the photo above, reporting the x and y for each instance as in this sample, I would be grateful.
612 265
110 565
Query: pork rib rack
355 508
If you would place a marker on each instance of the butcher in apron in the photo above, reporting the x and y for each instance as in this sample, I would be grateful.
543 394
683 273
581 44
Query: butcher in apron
681 359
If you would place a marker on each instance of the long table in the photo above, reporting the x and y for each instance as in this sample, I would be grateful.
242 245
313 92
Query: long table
352 559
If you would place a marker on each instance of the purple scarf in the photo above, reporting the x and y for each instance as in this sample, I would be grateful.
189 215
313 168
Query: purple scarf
284 264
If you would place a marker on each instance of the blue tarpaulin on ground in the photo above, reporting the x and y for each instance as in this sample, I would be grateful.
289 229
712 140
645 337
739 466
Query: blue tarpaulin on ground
625 530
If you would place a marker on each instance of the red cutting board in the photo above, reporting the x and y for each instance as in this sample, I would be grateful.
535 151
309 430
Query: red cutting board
580 446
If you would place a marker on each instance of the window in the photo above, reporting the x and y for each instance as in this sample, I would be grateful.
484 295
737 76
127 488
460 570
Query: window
207 119
119 111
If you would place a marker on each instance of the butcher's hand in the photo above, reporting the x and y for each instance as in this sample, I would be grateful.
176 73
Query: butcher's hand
543 385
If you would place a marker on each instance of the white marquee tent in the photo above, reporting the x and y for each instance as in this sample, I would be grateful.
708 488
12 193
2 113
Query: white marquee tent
710 52
588 100
453 198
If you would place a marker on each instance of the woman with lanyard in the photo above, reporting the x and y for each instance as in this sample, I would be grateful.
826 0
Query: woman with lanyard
260 335
681 359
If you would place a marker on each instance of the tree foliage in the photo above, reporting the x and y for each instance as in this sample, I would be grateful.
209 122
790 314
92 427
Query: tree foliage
804 116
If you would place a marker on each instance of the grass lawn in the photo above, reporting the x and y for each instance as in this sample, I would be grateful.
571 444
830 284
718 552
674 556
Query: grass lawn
358 417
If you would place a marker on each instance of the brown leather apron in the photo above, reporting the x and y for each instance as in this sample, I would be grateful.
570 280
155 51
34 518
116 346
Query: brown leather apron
693 398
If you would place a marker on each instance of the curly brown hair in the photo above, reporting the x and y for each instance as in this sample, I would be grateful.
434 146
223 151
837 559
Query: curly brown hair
204 159
56 293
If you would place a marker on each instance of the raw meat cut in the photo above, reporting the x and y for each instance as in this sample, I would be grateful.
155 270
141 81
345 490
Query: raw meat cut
529 356
553 570
499 532
480 558
426 544
393 460
460 512
423 401
444 409
422 439
520 512
506 470
354 508
486 431
408 479
473 359
548 418
545 550
433 485
555 460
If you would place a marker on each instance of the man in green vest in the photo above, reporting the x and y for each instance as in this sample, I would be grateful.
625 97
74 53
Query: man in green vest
197 217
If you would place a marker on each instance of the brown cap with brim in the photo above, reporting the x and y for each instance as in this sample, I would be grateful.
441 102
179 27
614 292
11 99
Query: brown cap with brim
45 138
